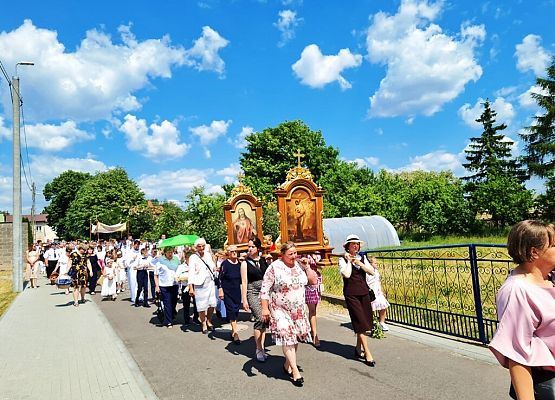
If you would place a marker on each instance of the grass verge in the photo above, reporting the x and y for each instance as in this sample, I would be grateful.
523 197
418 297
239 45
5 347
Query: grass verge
6 293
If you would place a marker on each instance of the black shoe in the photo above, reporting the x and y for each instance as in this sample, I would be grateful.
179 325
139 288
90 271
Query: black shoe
359 356
146 305
298 382
137 305
371 363
196 321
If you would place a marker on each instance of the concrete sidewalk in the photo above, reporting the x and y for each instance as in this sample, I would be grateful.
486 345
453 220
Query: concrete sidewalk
50 349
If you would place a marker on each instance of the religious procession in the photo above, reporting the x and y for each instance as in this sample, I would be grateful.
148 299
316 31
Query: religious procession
279 283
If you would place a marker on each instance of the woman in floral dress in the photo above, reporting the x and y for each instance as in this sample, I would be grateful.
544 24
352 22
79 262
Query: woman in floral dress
83 270
283 303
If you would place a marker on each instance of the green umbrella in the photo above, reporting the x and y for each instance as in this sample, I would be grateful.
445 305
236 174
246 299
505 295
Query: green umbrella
179 240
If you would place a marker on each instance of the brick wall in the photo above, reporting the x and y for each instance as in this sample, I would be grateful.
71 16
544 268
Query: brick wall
6 245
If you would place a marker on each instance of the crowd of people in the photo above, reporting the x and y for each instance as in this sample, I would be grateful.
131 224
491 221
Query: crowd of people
282 294
278 293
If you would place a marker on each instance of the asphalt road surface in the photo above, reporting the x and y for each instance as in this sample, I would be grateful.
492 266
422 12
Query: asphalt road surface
182 363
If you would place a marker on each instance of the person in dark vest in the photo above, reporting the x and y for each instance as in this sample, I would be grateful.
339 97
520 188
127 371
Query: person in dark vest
95 266
353 268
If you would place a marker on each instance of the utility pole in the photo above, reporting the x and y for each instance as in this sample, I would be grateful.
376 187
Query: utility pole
33 223
17 234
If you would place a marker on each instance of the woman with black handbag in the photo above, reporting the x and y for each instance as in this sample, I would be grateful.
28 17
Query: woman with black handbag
354 268
203 283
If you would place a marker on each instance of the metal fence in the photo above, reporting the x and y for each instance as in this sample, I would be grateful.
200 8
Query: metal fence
447 289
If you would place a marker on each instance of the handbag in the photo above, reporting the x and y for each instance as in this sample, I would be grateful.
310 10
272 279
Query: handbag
159 309
372 295
209 270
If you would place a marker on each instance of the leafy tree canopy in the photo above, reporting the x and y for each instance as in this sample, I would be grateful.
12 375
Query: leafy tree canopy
205 216
269 155
107 197
60 192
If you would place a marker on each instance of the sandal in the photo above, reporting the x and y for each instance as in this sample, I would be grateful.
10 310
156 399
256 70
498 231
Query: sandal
260 356
75 304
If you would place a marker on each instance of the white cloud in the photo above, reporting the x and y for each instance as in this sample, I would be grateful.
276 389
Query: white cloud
175 184
204 56
240 141
158 141
505 91
4 132
367 162
90 83
316 70
209 134
230 173
439 160
469 114
526 100
55 137
426 68
286 24
48 137
531 55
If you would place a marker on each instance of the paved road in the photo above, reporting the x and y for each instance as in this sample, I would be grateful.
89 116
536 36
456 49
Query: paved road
182 363
52 350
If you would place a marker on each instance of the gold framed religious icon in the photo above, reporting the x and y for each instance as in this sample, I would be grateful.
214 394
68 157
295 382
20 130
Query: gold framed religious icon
300 206
243 216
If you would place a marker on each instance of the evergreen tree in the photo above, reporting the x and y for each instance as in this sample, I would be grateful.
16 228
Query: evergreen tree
496 186
540 136
489 155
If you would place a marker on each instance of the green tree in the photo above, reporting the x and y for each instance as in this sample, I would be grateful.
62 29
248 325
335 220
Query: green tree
269 155
490 154
395 198
171 222
350 191
492 166
107 197
60 192
546 201
436 203
205 216
540 136
504 198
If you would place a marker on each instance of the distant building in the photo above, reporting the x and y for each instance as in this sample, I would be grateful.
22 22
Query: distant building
43 231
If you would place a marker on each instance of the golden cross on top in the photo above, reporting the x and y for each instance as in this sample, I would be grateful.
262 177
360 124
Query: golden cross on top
299 156
240 177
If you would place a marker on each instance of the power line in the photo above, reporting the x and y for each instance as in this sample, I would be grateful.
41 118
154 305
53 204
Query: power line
25 140
7 80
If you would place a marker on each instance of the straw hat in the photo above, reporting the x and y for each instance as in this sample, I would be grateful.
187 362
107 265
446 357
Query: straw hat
352 239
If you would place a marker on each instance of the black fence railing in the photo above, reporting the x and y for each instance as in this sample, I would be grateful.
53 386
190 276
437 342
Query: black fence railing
446 289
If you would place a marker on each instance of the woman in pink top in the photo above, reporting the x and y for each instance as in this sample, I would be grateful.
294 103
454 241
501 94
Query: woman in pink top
525 338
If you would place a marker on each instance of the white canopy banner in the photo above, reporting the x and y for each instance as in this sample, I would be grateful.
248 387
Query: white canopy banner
103 228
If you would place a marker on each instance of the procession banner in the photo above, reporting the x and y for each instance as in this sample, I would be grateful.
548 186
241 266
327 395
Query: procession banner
99 227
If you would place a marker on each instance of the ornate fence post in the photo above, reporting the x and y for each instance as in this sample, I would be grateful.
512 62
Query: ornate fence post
476 290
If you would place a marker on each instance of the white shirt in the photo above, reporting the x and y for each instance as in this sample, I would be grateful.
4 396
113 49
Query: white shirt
198 270
50 254
166 269
63 264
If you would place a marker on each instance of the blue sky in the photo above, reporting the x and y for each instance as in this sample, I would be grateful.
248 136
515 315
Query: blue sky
171 88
